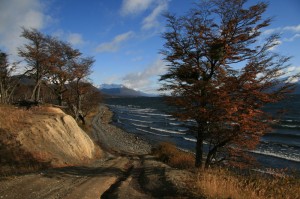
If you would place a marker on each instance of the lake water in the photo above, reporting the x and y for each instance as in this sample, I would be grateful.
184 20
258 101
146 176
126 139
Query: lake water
150 118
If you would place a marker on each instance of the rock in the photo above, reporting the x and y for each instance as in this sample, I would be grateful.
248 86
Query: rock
56 138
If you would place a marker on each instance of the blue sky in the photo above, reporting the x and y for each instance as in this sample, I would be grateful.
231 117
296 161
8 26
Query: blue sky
124 35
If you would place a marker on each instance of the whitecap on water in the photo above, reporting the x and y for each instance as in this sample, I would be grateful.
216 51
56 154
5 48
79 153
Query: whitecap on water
167 131
190 139
152 132
277 155
142 121
140 125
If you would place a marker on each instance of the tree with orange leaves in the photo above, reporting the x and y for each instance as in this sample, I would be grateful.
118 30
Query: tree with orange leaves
61 63
220 76
36 54
79 88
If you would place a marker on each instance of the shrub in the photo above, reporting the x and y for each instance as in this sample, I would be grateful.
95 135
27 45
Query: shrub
175 157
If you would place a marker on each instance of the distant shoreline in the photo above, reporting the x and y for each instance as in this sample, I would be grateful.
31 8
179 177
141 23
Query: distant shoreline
115 139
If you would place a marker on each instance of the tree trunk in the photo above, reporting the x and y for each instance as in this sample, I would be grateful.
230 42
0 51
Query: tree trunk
82 119
37 97
9 97
199 149
60 99
213 152
208 159
35 93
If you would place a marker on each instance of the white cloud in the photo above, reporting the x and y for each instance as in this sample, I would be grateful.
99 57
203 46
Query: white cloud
112 80
292 80
75 39
292 73
276 44
15 14
292 38
151 20
271 31
130 7
292 70
282 29
292 28
114 45
145 79
137 59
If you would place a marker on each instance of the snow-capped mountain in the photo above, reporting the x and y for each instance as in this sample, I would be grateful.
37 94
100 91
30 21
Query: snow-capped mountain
110 86
121 91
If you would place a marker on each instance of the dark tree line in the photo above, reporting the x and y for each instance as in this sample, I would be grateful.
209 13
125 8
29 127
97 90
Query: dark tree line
221 76
57 73
8 83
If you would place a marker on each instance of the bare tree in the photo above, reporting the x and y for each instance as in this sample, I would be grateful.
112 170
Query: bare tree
220 76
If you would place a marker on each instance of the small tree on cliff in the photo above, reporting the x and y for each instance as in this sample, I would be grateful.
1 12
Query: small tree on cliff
82 98
221 77
78 88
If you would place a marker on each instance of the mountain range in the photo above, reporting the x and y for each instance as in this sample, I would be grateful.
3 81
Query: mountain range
121 91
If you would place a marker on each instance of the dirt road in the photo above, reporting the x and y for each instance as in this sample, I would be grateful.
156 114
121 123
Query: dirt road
121 174
114 177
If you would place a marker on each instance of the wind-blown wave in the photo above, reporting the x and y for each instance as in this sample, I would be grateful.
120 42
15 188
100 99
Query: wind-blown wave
167 131
152 132
140 125
277 155
142 121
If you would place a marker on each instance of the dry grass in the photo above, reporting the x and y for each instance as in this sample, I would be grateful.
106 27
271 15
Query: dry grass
13 159
171 155
219 183
13 119
222 183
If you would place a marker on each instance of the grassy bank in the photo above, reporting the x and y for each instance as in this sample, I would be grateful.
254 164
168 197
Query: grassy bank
14 159
223 183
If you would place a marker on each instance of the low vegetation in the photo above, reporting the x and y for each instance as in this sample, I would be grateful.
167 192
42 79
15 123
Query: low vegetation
223 183
13 159
13 118
169 154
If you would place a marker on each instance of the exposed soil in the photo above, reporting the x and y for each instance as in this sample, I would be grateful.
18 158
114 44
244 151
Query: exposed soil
126 171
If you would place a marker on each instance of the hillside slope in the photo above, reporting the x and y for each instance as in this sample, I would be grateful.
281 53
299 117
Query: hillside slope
44 135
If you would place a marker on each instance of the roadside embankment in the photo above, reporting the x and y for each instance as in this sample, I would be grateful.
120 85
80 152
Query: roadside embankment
43 135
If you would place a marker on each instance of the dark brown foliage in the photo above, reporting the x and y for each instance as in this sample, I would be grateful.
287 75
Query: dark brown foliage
54 64
36 54
61 64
